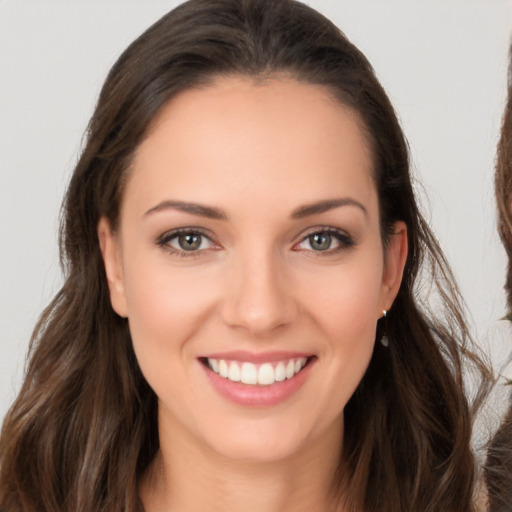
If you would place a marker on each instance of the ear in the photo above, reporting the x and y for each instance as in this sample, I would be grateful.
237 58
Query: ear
396 256
111 253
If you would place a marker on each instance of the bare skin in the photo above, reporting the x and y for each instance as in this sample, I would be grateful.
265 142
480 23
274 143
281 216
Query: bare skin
196 479
250 233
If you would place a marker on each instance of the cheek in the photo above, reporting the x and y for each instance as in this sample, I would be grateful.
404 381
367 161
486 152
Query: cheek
352 341
345 307
166 306
347 300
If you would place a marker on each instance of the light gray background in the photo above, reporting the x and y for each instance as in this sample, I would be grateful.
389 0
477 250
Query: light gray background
442 62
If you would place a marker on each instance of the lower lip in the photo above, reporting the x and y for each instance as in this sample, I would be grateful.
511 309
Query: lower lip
258 396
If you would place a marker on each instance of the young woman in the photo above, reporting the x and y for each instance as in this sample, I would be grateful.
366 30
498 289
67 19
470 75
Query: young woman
240 326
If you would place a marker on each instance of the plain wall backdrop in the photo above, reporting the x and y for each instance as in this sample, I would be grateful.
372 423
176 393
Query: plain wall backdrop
442 62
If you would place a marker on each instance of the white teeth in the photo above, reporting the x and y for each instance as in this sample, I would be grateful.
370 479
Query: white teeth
249 374
299 364
264 375
223 368
214 364
280 372
290 370
234 372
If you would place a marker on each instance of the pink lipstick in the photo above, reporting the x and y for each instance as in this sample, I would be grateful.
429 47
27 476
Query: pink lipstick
257 379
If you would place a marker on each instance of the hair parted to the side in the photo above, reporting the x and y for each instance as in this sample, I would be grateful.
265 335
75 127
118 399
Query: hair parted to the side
498 466
83 428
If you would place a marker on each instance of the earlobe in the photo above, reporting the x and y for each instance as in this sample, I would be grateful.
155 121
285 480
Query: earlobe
396 257
110 252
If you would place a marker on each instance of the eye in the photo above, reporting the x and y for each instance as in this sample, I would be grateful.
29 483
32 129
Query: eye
189 242
328 240
320 241
185 242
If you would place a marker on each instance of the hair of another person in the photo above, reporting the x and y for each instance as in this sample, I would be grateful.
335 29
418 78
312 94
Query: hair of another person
84 426
498 466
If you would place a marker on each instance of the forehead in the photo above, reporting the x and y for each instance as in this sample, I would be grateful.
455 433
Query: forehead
262 98
238 136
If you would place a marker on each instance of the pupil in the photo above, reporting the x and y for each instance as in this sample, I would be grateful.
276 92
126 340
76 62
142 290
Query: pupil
320 241
190 242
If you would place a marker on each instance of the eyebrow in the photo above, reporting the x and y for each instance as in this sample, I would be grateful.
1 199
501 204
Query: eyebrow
326 205
218 214
193 208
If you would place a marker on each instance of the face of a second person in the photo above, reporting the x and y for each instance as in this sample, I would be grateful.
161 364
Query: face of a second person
250 266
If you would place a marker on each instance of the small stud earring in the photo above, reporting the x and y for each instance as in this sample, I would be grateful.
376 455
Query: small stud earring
384 339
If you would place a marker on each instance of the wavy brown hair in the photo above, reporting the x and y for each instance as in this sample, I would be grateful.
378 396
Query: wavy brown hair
498 467
83 428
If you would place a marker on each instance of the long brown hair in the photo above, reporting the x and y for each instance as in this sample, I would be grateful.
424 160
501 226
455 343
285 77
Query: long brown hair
83 428
498 466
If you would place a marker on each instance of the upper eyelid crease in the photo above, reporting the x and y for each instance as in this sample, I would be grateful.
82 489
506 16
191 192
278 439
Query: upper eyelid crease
345 239
339 233
327 229
172 233
163 242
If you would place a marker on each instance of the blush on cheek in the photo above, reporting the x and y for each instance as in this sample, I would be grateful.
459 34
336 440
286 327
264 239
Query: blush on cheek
165 310
354 307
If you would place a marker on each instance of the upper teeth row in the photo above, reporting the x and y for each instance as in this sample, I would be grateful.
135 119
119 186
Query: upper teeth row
249 373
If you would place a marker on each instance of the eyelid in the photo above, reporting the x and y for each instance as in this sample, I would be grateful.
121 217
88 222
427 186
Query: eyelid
345 240
164 239
171 233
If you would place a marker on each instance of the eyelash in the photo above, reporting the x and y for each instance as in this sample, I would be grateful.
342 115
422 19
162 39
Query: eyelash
344 239
164 240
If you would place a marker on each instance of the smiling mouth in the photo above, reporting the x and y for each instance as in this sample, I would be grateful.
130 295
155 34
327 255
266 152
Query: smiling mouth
264 374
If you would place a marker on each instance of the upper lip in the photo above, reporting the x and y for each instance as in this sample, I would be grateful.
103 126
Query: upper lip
256 357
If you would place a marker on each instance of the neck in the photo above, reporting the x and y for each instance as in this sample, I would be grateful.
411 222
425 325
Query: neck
186 476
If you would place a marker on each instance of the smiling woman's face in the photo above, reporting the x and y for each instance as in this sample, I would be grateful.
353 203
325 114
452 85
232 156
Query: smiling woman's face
250 266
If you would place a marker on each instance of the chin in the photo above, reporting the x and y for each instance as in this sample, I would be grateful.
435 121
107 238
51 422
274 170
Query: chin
270 441
258 450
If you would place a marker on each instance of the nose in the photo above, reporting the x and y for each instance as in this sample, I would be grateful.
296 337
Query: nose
259 297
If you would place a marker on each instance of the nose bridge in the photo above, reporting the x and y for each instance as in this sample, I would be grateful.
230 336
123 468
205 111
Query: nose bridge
259 298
